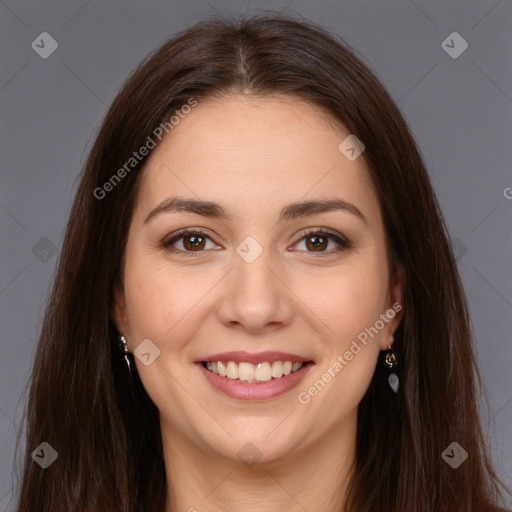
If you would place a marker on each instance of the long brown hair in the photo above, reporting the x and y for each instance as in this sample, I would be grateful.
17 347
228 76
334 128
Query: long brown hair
103 424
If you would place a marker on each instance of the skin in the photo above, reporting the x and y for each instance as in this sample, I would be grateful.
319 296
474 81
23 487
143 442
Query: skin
253 157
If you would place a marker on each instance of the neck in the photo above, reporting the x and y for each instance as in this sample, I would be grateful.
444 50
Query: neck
313 477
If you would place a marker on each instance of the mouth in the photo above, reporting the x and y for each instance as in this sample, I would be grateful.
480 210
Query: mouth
251 373
246 376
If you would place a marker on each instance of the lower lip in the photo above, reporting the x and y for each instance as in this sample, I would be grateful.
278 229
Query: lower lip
262 391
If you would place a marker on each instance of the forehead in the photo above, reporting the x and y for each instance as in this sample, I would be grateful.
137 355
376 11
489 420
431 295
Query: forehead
253 154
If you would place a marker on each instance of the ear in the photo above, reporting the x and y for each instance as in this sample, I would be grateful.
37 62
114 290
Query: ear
119 313
394 305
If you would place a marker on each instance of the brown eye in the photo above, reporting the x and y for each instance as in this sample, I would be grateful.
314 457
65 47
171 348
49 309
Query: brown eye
317 243
191 242
196 242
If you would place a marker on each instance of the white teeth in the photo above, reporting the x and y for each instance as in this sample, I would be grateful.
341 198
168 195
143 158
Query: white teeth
222 369
248 372
263 372
277 369
232 372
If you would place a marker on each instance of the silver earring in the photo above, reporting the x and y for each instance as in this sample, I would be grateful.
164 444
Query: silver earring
124 348
392 362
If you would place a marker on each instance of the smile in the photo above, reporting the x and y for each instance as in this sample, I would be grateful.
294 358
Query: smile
244 371
246 376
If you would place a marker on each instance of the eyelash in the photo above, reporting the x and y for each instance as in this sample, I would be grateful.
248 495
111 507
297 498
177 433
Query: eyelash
343 242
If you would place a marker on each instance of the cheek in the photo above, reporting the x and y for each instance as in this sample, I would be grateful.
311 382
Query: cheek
164 300
347 300
149 298
161 308
349 308
149 295
349 304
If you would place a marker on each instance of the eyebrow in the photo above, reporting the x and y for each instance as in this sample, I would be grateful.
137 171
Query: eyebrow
289 212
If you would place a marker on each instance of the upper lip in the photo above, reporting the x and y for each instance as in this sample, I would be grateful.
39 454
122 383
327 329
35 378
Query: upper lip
254 358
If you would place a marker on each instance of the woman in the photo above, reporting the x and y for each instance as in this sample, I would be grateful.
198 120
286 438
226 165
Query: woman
256 305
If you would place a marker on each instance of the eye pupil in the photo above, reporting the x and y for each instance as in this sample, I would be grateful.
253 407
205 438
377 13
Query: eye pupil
319 242
193 242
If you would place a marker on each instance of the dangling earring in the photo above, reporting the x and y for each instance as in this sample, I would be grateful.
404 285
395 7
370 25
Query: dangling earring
124 347
392 362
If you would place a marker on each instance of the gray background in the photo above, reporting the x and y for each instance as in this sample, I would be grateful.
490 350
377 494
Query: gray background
460 111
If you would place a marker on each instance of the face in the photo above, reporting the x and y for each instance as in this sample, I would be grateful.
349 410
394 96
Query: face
256 286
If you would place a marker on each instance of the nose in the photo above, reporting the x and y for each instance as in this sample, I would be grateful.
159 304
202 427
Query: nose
255 297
